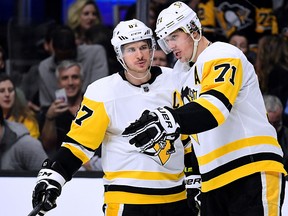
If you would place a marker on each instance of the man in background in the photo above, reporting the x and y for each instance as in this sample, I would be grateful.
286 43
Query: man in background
92 57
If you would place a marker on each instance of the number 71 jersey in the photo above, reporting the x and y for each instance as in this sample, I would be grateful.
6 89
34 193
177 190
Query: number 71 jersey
227 117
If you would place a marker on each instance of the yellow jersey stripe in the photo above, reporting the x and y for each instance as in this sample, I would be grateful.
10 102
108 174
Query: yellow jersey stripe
77 152
240 172
233 146
213 109
131 198
143 175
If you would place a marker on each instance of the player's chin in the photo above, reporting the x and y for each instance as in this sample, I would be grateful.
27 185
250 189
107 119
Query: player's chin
143 69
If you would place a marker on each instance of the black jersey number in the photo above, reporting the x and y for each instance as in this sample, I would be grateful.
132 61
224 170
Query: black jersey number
225 68
88 113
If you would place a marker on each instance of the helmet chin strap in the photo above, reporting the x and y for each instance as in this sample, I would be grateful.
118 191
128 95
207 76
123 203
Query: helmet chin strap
196 43
139 78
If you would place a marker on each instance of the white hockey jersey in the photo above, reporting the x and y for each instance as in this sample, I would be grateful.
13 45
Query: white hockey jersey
227 117
109 106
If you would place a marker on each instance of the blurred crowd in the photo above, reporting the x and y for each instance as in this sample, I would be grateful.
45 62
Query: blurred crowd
36 112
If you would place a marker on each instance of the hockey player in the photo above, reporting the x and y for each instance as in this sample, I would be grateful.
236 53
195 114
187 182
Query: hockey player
136 182
236 147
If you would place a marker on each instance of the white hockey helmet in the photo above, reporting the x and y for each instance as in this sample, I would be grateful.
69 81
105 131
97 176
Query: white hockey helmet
177 15
131 31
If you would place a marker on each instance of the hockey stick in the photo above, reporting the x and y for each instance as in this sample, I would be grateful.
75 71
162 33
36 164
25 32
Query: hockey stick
36 210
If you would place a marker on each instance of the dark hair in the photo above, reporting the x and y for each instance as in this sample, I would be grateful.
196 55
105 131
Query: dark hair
4 77
97 9
64 43
49 31
19 110
239 33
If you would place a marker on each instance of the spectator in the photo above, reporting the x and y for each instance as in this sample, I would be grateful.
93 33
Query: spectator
57 118
32 76
275 116
82 15
160 58
18 150
14 108
59 115
272 66
240 40
92 57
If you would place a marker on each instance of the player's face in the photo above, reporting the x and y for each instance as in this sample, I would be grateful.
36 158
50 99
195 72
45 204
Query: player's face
71 80
137 57
7 95
181 44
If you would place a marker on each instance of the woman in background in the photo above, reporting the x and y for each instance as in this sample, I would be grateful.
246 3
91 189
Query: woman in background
14 109
272 68
82 15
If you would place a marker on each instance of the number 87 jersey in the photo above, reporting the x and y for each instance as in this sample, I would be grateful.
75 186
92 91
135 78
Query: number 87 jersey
130 176
226 116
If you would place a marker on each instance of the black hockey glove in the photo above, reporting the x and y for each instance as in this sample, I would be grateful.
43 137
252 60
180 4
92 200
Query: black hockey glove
151 128
193 187
48 187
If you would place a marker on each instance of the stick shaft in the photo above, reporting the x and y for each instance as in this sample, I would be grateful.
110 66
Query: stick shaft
36 210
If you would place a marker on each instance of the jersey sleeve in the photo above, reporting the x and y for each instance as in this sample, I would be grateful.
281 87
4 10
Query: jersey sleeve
220 84
87 130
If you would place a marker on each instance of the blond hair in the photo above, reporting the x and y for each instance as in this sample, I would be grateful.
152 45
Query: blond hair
75 10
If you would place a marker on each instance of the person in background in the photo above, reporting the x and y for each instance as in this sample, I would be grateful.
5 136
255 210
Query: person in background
240 40
14 109
274 109
160 58
92 57
136 182
272 68
57 118
31 92
18 150
82 15
223 109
